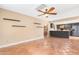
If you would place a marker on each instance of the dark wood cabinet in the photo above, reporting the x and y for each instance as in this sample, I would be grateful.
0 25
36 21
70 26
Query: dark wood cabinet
62 34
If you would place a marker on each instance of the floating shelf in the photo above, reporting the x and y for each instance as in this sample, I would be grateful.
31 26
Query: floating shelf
37 23
11 19
18 26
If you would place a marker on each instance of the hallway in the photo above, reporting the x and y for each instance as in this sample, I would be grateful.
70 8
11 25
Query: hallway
47 46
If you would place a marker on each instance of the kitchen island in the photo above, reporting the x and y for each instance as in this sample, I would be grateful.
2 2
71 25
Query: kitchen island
62 34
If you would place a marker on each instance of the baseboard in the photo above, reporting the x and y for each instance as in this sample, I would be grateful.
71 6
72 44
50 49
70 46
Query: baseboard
11 44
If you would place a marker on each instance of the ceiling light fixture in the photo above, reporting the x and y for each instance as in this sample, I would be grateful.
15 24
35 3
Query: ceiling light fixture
46 11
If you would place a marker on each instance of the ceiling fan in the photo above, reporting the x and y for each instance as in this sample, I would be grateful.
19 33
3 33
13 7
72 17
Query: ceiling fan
48 11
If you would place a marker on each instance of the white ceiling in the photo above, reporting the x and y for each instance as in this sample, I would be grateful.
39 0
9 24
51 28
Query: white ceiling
63 10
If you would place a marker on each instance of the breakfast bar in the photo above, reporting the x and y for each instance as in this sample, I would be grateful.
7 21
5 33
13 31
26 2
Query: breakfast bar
62 34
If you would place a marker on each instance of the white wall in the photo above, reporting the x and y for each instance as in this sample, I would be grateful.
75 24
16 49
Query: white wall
9 34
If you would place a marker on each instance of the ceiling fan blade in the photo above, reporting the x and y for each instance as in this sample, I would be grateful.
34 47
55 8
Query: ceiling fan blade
42 6
53 13
41 11
51 9
41 14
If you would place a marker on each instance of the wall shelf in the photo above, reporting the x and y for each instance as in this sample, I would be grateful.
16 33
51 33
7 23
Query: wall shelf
11 19
37 23
18 26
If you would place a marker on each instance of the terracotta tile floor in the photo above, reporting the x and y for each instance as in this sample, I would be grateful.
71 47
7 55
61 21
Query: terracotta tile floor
47 46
